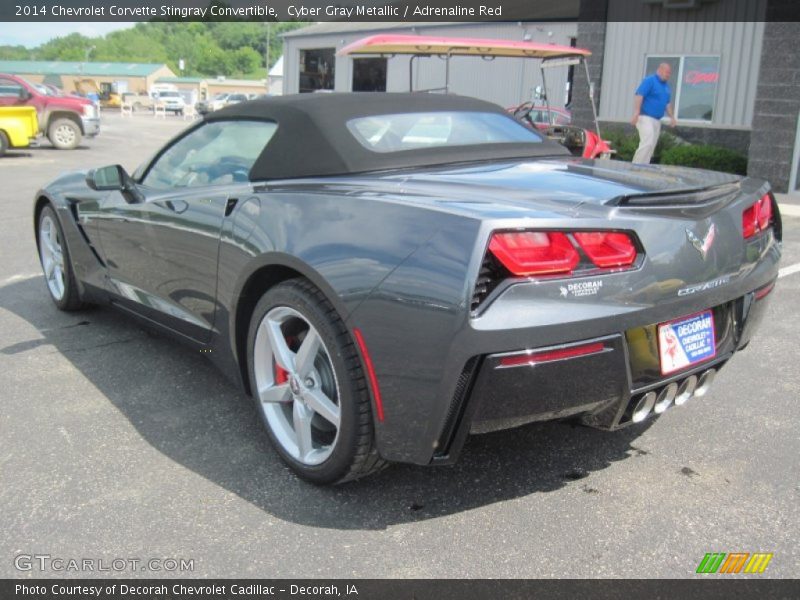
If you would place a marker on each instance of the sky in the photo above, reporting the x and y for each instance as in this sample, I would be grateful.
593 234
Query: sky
33 34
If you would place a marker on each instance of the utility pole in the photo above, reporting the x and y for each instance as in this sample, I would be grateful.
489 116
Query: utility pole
269 31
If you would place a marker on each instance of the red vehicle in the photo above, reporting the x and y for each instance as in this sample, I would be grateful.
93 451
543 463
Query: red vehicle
541 117
581 142
65 120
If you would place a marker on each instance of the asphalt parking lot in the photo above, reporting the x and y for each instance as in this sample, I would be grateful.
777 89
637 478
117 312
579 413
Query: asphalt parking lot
116 442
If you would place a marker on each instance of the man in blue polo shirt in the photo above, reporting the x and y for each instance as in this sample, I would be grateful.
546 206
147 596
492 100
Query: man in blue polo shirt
652 100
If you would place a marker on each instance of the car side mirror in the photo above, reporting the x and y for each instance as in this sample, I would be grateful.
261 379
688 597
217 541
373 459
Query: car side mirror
24 94
114 178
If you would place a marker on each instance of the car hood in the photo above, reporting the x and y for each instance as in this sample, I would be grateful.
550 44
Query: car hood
570 180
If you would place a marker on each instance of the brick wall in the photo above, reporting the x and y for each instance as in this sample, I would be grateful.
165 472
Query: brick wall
777 101
592 36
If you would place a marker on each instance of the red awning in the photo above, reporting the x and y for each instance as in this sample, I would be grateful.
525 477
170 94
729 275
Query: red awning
435 46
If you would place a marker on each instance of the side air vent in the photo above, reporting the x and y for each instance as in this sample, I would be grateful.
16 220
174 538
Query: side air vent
489 277
457 406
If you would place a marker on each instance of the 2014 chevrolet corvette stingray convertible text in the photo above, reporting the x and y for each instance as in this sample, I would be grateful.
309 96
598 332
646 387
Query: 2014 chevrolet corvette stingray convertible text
386 273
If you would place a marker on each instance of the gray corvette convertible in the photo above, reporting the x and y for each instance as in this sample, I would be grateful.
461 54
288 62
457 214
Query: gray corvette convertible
386 273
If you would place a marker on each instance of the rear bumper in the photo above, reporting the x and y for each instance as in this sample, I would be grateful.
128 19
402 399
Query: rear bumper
602 387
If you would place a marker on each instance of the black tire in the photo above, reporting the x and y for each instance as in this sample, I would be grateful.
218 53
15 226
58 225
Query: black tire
353 453
4 143
70 300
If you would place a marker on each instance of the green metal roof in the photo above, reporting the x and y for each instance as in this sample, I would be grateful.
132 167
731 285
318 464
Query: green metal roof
180 79
46 67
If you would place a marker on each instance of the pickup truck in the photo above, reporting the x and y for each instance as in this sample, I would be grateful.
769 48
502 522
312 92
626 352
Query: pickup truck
138 102
18 126
65 120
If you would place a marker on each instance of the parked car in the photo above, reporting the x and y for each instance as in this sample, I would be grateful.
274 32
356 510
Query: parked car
220 101
18 127
236 99
386 273
138 102
172 101
541 117
65 120
216 102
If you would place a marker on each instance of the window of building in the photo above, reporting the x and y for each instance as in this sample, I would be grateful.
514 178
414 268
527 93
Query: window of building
369 74
317 70
694 83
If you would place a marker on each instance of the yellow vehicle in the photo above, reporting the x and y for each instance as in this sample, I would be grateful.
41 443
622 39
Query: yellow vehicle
107 92
18 126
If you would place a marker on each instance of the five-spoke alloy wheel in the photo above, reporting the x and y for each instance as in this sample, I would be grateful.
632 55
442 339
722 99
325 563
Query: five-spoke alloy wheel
54 256
308 385
296 385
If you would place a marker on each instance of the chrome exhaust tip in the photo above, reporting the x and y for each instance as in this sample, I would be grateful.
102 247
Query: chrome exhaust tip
643 407
665 398
704 382
685 390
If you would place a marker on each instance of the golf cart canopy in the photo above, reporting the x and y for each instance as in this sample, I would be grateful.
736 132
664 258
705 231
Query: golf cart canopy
420 45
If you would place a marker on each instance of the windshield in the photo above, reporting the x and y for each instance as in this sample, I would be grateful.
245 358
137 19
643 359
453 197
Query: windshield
169 94
409 131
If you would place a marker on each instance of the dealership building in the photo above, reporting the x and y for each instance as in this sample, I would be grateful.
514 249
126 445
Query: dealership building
736 69
123 77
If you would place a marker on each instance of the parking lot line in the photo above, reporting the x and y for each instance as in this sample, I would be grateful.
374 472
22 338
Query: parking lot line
21 277
791 269
791 210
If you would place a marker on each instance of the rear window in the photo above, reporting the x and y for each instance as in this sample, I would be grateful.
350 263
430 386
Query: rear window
409 131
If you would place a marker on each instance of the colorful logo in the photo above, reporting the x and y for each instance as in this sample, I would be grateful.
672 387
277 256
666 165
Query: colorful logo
734 562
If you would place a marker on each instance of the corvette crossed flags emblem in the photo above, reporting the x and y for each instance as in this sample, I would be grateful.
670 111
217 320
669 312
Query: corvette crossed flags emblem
704 245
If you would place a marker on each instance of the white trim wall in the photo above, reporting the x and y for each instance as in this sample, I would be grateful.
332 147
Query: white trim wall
738 44
504 81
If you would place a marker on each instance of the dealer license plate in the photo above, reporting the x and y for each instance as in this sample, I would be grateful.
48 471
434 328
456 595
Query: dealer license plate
685 342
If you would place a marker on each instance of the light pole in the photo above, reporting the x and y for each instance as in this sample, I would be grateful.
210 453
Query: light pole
269 32
86 57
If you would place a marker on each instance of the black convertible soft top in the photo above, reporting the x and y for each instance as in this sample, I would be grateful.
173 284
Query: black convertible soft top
312 138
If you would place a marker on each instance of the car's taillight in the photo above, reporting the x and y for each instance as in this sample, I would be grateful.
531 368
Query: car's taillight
607 248
552 254
526 253
757 217
534 252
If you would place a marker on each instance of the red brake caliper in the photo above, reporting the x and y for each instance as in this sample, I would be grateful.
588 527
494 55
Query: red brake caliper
281 375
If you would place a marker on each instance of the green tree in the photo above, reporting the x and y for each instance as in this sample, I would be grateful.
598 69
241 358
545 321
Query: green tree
72 47
245 60
208 49
15 53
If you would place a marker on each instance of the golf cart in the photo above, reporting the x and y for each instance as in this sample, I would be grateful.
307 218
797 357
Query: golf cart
581 142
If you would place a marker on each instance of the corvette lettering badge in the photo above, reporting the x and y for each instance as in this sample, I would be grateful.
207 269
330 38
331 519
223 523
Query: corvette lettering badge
702 246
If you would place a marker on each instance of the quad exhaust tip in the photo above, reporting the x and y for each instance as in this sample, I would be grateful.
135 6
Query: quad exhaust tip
705 381
673 393
665 398
685 390
643 407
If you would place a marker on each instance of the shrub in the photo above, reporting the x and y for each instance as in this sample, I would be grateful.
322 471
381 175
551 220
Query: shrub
704 156
626 144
